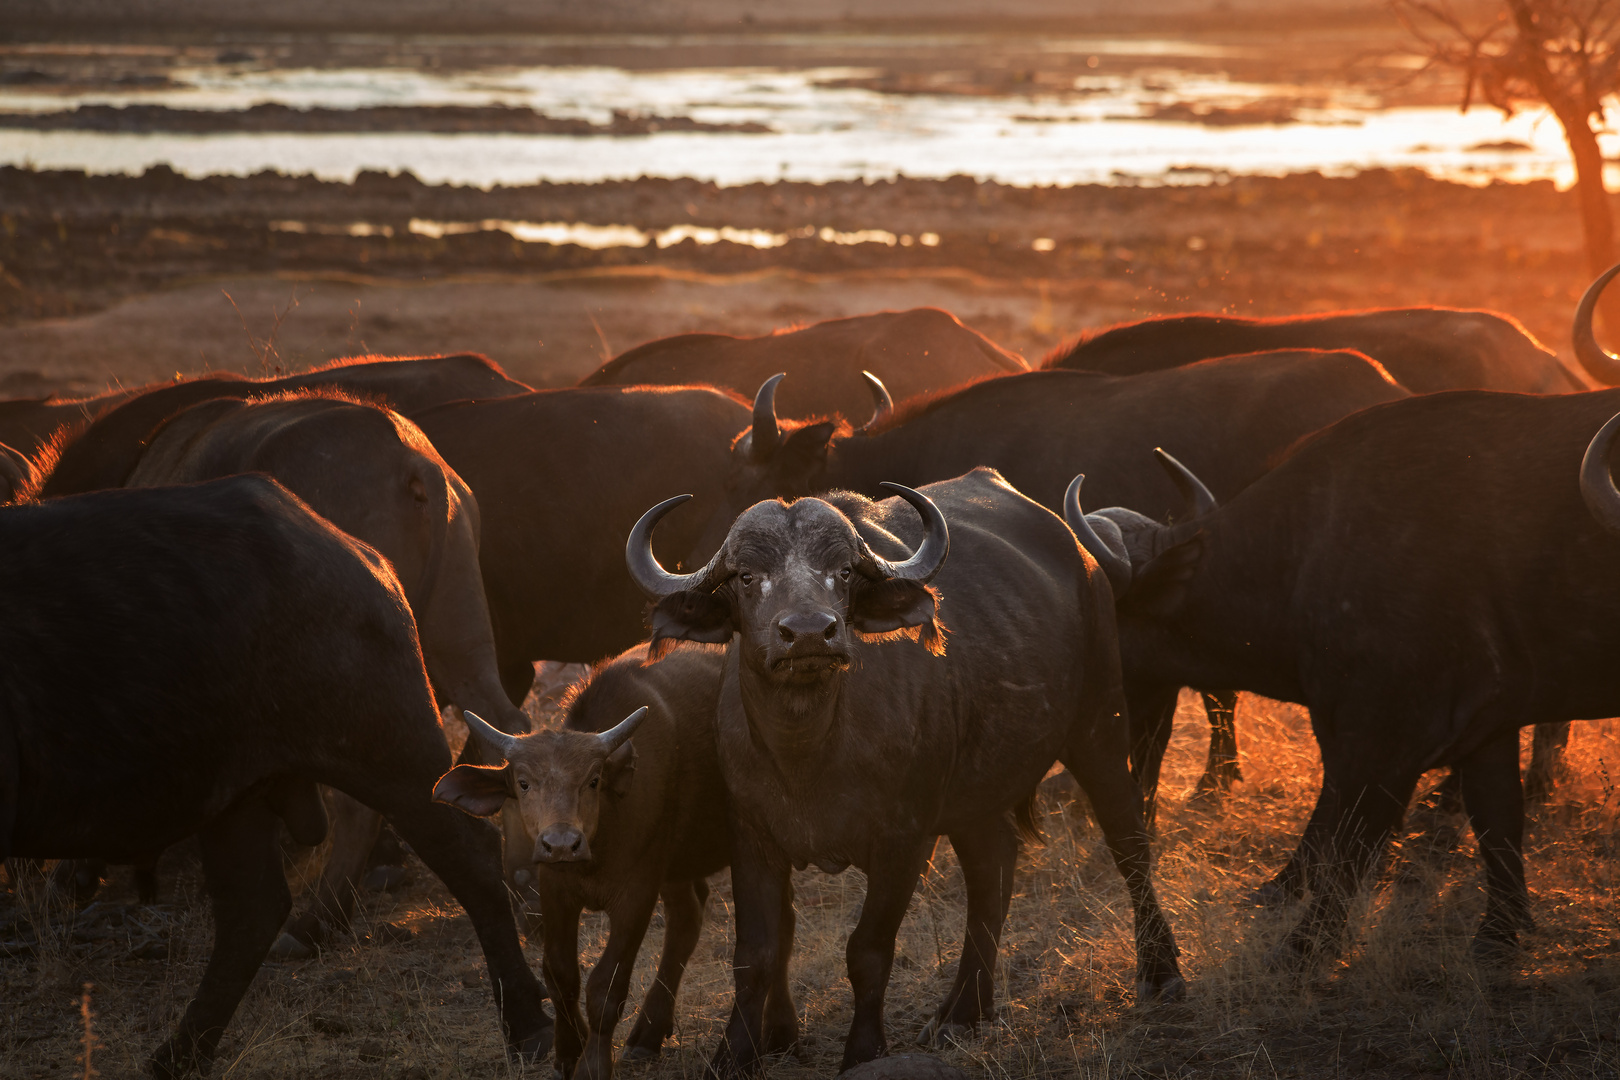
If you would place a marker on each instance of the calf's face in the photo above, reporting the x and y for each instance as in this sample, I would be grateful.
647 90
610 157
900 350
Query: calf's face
557 778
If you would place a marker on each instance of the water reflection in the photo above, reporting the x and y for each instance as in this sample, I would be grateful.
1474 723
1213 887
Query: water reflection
1154 124
598 237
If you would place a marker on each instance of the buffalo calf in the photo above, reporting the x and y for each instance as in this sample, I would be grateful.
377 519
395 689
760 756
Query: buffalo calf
613 825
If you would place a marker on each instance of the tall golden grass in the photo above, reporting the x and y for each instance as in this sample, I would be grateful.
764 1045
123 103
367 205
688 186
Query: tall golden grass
1406 999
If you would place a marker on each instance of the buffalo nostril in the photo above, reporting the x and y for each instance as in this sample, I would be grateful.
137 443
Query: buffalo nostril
784 632
831 631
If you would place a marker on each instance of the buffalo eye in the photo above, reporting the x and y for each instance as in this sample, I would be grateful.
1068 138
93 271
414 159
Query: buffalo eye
523 785
594 781
843 575
746 578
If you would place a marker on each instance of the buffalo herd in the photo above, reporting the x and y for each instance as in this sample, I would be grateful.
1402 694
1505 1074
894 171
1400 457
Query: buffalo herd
842 599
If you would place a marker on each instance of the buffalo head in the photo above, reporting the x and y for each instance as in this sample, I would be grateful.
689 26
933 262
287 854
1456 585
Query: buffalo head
798 583
557 779
1126 543
786 458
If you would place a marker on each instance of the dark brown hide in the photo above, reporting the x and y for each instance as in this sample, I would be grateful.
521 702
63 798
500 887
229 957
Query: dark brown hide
843 748
1426 349
181 661
654 825
911 351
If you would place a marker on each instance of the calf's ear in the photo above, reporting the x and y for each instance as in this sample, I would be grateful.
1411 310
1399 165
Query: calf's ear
620 769
480 790
895 604
691 616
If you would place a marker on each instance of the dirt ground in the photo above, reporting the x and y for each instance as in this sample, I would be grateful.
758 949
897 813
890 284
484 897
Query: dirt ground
1406 1001
119 279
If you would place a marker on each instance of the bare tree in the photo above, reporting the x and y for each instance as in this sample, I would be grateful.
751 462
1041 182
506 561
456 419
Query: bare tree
1563 53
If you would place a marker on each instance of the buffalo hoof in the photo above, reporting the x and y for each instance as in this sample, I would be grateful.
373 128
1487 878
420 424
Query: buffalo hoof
904 1067
632 1054
385 878
1273 894
170 1063
1495 949
938 1035
288 947
532 1048
1161 991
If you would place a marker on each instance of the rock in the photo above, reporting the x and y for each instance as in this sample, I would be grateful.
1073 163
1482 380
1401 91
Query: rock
904 1067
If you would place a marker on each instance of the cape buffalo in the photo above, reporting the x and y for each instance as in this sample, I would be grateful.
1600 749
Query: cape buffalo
613 826
1426 349
193 660
1230 419
26 424
911 351
373 474
560 477
850 734
103 455
1425 578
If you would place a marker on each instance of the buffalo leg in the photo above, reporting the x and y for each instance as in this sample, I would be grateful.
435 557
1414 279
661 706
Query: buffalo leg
465 854
1222 768
1116 802
890 882
242 867
761 886
988 854
609 984
1152 711
78 879
354 831
1546 761
1494 799
559 961
781 1018
1360 807
685 903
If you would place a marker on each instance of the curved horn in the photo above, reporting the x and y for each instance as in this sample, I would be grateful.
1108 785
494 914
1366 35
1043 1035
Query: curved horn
1198 498
1117 569
1597 482
620 733
644 567
1599 362
936 542
767 436
489 736
882 403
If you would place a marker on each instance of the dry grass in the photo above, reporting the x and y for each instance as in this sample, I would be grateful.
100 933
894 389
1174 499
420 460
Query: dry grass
1406 1000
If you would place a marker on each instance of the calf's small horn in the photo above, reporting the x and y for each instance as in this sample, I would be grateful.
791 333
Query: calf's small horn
926 561
882 403
1599 363
1597 481
620 733
489 736
1198 497
1118 570
644 567
767 436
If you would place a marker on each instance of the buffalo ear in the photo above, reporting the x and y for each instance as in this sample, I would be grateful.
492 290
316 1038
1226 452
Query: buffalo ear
620 769
692 616
894 604
1160 586
480 790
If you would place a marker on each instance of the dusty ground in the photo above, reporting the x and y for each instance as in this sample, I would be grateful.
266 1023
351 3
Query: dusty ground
116 278
1406 1002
